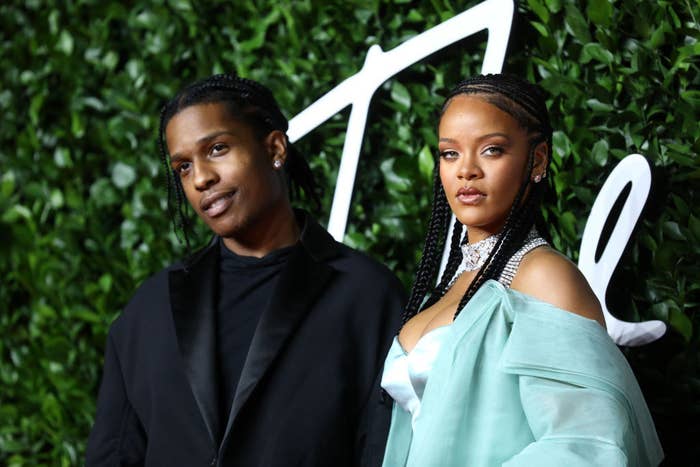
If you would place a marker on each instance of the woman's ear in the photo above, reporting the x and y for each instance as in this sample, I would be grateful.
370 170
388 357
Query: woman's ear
539 164
276 146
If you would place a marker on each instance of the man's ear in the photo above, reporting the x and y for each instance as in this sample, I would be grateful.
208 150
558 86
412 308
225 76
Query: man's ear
276 146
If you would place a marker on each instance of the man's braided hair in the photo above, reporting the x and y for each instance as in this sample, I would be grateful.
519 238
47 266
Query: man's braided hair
251 103
525 102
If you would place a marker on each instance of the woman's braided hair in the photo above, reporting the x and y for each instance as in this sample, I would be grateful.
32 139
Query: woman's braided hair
253 104
525 102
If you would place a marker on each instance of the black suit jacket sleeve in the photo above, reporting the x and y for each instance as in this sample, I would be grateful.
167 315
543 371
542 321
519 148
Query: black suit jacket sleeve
117 438
376 416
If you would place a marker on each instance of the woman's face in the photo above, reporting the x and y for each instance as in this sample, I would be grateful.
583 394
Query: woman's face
483 159
226 172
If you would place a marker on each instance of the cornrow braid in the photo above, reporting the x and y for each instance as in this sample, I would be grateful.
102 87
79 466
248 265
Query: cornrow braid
250 102
430 259
526 103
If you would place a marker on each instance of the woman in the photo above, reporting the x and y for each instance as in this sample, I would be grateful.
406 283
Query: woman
506 361
264 348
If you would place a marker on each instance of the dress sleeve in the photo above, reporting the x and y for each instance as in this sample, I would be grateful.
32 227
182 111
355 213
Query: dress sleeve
572 425
117 437
578 393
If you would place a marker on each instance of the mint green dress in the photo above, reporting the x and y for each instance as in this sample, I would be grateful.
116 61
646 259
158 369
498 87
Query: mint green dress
519 382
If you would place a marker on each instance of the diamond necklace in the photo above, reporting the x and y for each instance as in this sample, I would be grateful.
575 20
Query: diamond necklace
474 254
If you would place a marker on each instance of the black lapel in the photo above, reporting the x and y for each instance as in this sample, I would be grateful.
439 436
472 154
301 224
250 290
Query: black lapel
193 301
300 283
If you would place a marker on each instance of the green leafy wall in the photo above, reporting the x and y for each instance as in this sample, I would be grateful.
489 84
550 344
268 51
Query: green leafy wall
82 205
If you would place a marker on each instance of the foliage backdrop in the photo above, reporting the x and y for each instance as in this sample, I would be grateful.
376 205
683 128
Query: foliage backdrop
82 213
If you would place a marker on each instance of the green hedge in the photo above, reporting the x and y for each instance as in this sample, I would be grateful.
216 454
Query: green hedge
82 197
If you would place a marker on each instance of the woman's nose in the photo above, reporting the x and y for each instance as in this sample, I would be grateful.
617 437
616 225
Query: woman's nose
468 167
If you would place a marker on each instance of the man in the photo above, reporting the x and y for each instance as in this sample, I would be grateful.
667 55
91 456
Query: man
264 348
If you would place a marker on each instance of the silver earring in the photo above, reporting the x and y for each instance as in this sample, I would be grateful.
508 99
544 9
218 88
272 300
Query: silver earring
277 164
538 178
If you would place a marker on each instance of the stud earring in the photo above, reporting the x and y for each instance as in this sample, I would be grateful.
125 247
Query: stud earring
538 178
277 164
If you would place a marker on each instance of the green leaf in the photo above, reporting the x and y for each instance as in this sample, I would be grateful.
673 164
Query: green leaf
577 24
672 229
400 95
426 162
561 145
600 12
65 42
393 180
106 282
123 175
595 51
56 199
540 10
661 310
681 323
15 213
694 224
598 106
61 157
599 152
541 28
7 184
692 97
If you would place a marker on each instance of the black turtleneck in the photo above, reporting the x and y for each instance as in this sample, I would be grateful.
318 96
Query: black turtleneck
245 287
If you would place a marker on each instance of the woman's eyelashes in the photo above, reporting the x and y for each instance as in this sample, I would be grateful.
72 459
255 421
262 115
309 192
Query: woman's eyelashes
493 150
448 154
489 151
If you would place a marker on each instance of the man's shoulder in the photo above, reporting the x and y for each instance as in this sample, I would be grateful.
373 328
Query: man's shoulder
359 264
149 297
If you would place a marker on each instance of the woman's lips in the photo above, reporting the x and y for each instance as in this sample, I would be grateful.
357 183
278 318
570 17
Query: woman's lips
470 196
218 205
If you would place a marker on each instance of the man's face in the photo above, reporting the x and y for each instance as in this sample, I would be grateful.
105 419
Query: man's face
226 172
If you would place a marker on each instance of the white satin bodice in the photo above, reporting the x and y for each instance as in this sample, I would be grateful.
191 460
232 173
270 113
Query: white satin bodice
406 373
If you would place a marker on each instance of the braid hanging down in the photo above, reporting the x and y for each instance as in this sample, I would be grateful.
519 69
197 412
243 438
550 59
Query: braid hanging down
250 102
525 102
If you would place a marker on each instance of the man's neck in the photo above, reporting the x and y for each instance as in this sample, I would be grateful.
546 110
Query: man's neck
267 235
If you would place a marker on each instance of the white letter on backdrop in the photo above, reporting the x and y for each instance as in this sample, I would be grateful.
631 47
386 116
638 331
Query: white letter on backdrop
635 170
494 15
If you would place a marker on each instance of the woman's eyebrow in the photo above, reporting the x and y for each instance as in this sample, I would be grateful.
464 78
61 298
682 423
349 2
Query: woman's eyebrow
448 140
482 137
491 135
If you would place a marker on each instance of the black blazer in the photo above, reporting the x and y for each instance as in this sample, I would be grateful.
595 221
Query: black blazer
308 394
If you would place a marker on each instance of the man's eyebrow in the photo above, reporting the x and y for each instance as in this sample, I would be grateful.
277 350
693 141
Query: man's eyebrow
204 139
211 136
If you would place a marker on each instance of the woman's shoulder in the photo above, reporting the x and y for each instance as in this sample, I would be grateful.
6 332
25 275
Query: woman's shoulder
551 277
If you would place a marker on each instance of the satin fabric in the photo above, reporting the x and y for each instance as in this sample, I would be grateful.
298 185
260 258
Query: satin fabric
406 374
519 382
